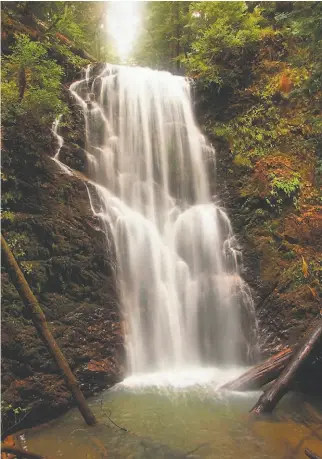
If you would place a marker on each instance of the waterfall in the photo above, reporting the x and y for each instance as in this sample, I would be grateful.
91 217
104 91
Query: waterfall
183 299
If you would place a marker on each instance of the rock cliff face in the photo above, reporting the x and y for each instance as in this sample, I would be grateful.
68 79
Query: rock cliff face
62 250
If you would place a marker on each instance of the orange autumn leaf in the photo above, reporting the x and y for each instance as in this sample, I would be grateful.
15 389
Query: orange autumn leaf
285 84
313 291
305 268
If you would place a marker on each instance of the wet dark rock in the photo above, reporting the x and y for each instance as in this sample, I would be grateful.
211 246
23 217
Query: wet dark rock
62 250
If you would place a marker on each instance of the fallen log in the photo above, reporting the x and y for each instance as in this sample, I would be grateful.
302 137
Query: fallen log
19 452
269 399
311 455
43 29
39 320
262 374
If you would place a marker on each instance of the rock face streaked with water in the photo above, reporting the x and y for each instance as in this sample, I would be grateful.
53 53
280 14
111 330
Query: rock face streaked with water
184 301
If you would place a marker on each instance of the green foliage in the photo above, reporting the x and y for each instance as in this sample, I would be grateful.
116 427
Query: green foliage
283 189
288 186
31 90
290 255
253 133
27 267
259 60
305 25
81 22
16 414
212 40
6 407
7 216
71 58
31 83
11 196
70 20
78 23
165 35
17 243
226 36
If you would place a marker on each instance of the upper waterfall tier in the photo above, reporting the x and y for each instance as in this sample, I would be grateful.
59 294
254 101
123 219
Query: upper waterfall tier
184 302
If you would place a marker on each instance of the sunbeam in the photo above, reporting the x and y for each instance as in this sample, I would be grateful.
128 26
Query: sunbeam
123 20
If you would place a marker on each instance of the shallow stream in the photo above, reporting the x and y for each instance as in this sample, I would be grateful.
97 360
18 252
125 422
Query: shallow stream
183 415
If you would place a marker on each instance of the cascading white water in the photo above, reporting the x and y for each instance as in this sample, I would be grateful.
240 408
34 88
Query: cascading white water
184 302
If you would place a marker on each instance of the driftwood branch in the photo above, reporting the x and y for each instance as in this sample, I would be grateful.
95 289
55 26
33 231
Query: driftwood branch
116 425
195 449
108 415
19 452
43 29
311 455
272 396
38 317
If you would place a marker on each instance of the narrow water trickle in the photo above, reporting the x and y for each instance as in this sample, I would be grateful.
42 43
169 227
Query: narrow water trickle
60 141
184 301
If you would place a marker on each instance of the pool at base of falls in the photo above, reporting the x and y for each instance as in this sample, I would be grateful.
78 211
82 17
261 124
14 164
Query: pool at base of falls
182 415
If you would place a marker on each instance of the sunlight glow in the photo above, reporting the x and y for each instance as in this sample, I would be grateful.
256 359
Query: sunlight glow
123 19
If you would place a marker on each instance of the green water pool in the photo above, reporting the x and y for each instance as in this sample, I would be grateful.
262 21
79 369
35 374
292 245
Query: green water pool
182 417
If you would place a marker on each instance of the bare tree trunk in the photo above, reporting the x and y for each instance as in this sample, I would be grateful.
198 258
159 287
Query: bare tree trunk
38 317
311 455
272 396
177 6
22 83
261 374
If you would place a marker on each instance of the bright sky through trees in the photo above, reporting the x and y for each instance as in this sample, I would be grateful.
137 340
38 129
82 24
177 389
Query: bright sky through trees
123 19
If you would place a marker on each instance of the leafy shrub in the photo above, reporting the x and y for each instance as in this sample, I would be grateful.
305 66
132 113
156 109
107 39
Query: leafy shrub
252 134
31 83
283 189
17 243
225 35
71 58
